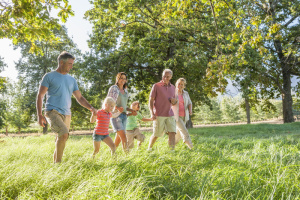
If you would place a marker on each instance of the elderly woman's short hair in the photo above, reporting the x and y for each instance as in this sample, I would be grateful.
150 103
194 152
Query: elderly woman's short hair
179 80
167 71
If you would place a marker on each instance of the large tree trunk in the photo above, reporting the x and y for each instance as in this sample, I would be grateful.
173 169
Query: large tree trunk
247 110
287 100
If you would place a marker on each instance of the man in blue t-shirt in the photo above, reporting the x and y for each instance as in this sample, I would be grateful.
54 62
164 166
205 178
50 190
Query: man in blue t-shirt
59 87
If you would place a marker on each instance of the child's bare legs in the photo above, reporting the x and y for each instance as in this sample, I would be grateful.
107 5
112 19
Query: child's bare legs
172 140
140 138
111 144
121 136
96 147
152 141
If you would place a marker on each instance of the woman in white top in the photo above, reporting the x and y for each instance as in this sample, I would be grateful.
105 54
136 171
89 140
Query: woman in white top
182 111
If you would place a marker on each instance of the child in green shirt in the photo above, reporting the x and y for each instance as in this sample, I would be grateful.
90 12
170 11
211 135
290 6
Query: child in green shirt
132 129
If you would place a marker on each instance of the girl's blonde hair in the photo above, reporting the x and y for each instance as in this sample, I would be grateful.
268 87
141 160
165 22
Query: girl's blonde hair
109 101
179 80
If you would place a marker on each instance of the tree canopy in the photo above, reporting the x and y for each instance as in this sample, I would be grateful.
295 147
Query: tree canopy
143 38
31 20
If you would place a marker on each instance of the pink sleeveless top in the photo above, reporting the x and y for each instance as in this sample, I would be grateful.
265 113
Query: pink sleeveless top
181 106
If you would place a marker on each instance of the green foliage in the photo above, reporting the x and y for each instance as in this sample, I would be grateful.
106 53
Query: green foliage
2 79
206 113
231 109
236 162
18 109
31 21
3 113
143 38
263 45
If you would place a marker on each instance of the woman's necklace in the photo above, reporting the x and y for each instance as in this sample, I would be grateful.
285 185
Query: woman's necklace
122 90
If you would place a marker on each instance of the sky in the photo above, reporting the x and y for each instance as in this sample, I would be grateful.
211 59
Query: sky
78 29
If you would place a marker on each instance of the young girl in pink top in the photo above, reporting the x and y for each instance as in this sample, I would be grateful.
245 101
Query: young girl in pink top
101 129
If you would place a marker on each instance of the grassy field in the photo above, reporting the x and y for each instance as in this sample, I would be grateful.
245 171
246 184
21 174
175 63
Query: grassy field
259 161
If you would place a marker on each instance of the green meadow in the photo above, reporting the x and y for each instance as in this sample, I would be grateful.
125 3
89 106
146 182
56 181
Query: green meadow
260 161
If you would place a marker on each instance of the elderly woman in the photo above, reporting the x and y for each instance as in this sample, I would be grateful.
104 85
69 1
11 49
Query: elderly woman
119 93
182 110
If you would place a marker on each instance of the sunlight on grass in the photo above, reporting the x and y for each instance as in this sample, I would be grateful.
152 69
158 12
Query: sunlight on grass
236 162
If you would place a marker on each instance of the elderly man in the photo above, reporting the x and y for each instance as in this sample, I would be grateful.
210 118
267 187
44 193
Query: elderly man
59 87
162 97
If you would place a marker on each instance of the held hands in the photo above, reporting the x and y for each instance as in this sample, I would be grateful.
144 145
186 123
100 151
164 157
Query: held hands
42 121
120 109
93 110
173 101
190 112
133 113
153 117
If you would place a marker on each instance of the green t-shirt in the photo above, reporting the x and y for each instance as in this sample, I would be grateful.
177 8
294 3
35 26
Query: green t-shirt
132 121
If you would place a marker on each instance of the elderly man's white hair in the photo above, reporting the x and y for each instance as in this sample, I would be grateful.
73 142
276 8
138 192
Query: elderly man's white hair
167 71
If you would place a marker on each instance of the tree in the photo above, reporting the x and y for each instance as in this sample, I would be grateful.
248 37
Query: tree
272 29
31 21
19 107
3 104
143 38
206 113
230 109
2 79
246 79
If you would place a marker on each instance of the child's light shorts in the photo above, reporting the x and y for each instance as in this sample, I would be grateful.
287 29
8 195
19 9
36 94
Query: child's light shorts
134 134
59 123
164 124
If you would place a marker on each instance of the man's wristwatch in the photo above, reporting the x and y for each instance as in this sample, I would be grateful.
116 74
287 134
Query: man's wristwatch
91 108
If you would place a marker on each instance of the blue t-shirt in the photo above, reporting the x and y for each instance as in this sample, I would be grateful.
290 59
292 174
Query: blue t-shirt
60 90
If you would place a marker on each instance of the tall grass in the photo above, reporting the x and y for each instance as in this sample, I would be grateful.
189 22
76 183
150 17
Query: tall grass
237 162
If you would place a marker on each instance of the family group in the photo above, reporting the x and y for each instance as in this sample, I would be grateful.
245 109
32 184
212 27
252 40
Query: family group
170 108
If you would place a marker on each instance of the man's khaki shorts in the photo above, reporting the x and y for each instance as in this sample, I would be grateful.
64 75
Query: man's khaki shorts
59 123
134 134
164 124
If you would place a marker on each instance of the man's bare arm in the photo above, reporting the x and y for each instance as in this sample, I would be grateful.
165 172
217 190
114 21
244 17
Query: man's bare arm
83 102
39 105
151 105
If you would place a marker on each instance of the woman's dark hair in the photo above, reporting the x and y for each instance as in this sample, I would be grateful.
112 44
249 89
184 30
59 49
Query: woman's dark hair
119 75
